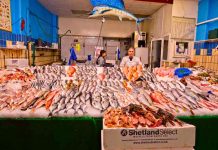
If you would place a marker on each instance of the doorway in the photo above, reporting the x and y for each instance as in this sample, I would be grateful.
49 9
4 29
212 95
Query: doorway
156 53
165 48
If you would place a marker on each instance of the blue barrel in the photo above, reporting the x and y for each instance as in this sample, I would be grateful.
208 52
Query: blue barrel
89 57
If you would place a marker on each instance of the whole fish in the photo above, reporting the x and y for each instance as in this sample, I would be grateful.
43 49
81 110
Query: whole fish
142 99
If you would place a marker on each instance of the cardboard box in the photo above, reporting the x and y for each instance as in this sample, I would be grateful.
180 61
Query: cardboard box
208 59
15 63
203 52
149 138
204 59
193 52
177 148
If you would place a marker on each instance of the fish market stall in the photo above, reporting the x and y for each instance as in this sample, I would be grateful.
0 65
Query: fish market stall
61 101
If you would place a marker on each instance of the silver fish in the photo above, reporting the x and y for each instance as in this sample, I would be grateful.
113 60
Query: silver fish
84 89
68 92
72 94
88 96
104 94
92 90
63 93
104 83
77 94
98 99
113 103
174 93
61 106
110 94
169 95
76 107
172 86
77 100
83 107
82 99
89 88
62 112
148 98
80 112
67 100
181 85
142 99
53 107
71 111
97 94
165 86
151 85
97 105
192 94
57 98
159 86
105 104
69 106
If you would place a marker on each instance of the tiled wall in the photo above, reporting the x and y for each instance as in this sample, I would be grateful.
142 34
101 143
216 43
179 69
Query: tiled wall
205 45
208 61
4 36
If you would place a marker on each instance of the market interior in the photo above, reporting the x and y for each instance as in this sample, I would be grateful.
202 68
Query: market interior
109 74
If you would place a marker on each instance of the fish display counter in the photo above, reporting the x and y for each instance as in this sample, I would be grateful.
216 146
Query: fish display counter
58 95
63 91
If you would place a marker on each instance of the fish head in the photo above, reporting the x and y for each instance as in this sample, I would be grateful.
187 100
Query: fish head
99 11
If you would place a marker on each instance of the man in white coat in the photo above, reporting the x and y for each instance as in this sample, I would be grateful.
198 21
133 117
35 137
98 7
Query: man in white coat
131 59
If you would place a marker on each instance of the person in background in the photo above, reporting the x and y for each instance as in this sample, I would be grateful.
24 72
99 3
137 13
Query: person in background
73 56
101 60
130 60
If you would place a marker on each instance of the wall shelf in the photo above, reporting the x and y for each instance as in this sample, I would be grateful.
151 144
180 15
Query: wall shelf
7 48
209 40
46 48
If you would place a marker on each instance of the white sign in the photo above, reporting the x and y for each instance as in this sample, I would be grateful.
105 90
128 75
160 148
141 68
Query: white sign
149 138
